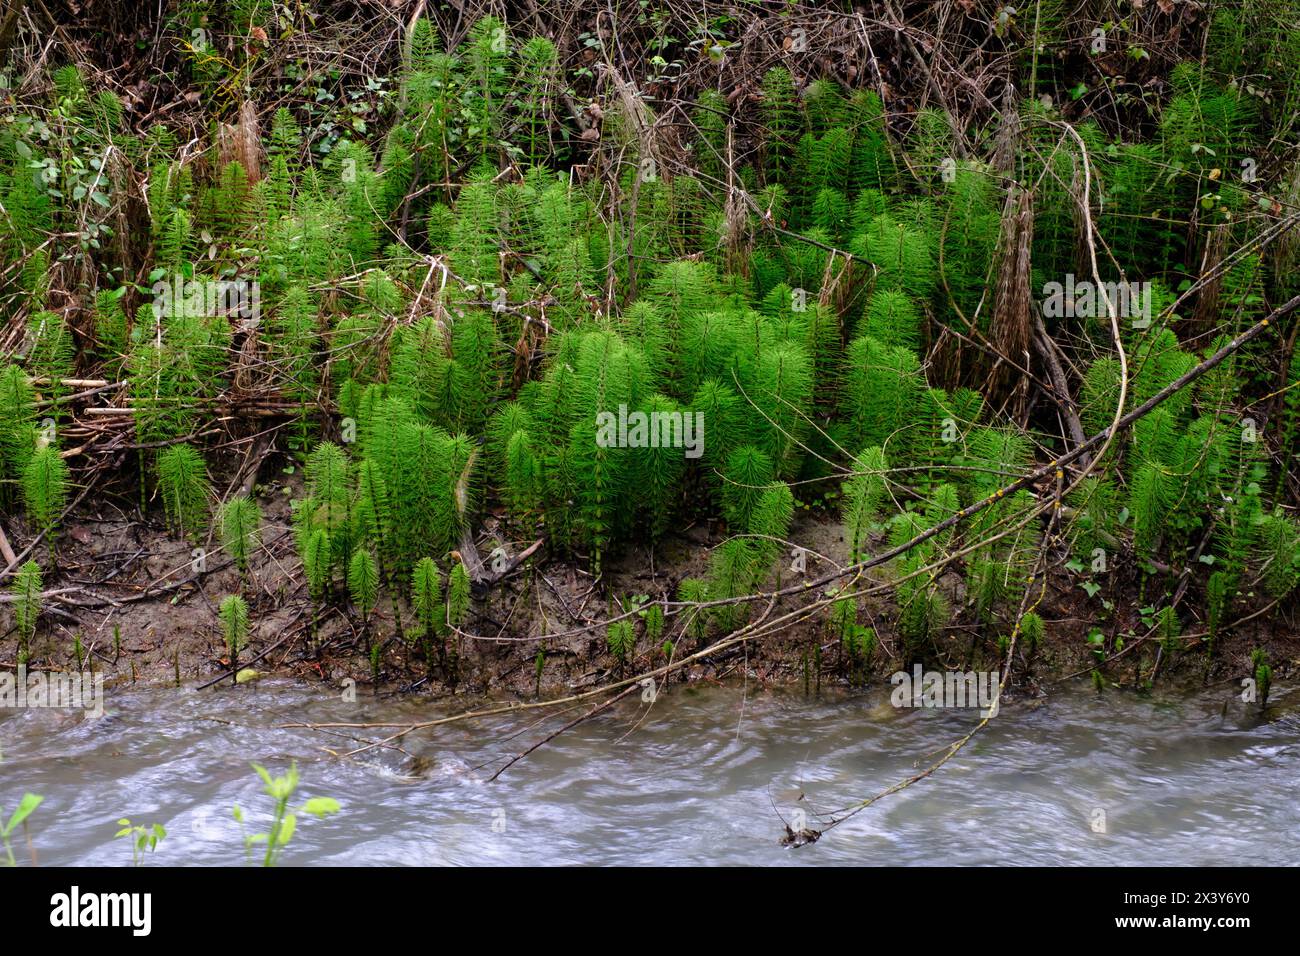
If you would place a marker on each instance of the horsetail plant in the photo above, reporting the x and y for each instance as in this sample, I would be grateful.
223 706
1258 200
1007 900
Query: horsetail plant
27 590
317 567
239 524
17 424
1263 675
859 643
233 614
1168 629
457 610
621 638
363 586
45 490
430 612
1032 629
183 483
693 592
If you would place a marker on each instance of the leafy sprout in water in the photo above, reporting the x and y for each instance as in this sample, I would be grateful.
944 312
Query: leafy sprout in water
143 839
284 822
26 805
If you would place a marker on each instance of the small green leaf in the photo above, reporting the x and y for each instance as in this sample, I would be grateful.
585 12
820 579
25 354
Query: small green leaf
321 806
29 803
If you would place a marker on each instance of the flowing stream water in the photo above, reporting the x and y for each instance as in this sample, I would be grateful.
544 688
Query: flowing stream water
704 776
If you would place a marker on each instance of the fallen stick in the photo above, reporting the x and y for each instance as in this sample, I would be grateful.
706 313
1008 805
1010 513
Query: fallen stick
75 382
226 673
513 563
569 726
6 552
9 568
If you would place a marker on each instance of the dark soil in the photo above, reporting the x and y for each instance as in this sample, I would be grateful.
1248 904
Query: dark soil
144 610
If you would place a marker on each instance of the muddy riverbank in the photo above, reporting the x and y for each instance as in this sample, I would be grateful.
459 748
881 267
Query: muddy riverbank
139 605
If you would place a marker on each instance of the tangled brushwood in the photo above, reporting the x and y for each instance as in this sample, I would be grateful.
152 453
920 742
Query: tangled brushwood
1007 293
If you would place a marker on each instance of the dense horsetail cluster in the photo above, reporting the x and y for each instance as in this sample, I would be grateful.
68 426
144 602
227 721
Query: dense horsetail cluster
804 299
